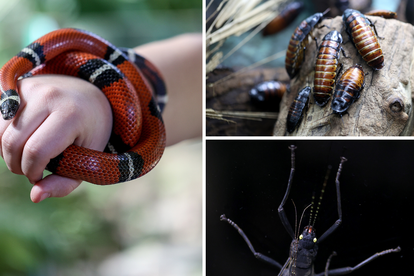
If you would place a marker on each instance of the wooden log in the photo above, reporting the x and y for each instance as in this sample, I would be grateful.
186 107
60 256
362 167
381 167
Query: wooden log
228 91
384 107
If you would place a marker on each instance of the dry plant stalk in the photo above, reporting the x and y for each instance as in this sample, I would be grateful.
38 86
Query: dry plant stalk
255 116
236 18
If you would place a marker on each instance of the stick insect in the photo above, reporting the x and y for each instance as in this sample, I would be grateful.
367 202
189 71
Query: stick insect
303 248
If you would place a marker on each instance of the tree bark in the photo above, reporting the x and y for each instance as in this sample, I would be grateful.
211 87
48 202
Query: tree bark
385 105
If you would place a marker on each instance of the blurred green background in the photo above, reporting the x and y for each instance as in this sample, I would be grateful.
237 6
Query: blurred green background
126 23
151 226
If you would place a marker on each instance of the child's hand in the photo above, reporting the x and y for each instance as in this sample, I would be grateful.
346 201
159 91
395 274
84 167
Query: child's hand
55 112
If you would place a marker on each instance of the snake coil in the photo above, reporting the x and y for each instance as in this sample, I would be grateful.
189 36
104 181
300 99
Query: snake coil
138 137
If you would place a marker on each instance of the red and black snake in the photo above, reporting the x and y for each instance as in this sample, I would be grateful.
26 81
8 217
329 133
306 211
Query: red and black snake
138 131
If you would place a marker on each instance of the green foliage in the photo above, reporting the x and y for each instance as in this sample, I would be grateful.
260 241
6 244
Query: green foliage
110 5
58 230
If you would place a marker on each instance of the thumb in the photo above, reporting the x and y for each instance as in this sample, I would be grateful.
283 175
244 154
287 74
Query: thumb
53 186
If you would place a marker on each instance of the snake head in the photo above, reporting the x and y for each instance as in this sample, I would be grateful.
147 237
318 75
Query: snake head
9 108
9 104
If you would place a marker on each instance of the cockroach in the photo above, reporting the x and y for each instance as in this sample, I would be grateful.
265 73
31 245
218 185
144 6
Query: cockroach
361 30
383 13
304 247
296 109
286 16
295 54
348 89
268 91
326 67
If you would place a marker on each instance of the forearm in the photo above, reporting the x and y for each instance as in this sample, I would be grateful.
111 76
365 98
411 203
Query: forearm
180 61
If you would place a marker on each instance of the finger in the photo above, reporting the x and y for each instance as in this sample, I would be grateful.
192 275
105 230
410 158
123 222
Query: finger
16 135
48 141
13 123
53 186
4 124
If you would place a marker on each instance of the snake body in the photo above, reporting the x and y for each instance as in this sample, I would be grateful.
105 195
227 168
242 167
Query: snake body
138 137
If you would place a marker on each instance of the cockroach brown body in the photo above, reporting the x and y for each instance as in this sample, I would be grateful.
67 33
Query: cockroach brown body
361 30
295 53
296 109
348 89
383 13
286 16
268 91
326 67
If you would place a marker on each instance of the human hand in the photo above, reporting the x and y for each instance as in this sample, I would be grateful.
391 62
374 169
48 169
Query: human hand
55 112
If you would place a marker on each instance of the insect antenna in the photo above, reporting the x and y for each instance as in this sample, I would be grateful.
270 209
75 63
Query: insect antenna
301 217
321 196
311 210
326 11
325 116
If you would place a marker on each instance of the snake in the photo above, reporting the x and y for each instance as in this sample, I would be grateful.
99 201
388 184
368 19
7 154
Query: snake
138 137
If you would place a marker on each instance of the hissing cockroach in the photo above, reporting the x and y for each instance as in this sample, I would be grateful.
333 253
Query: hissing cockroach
383 13
326 67
286 16
361 30
295 53
268 91
348 89
296 109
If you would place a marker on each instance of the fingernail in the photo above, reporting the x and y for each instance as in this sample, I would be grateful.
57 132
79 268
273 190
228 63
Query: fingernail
44 196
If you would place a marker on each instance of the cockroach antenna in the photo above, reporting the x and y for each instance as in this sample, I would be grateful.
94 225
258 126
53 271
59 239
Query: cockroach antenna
321 196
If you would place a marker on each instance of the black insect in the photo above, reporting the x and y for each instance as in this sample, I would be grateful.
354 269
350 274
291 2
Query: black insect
326 68
268 91
304 248
297 108
286 16
364 35
295 54
348 89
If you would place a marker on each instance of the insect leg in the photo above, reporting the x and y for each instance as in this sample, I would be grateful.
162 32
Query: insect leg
328 262
285 266
347 270
339 72
281 211
338 199
372 25
258 255
343 53
316 42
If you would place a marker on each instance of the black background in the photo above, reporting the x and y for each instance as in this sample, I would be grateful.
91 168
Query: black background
246 180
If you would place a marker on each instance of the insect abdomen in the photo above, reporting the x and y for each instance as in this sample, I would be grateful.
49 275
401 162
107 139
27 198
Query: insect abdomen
348 89
382 13
267 91
326 67
298 42
295 50
364 38
286 16
296 109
